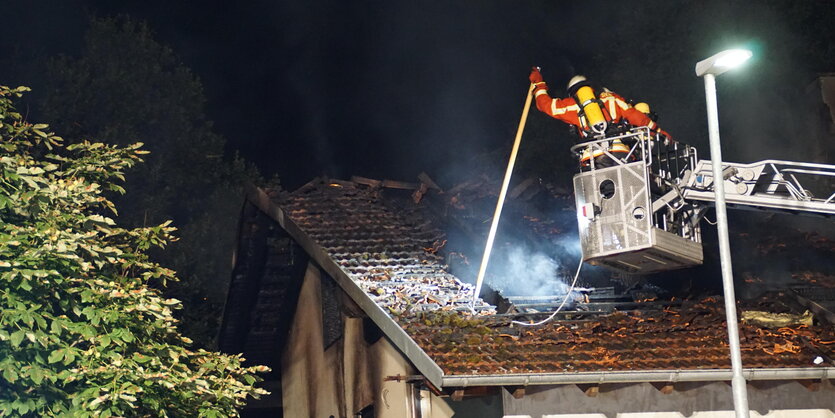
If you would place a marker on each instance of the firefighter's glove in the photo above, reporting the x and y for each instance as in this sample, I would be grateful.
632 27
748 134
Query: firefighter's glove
536 80
668 140
536 76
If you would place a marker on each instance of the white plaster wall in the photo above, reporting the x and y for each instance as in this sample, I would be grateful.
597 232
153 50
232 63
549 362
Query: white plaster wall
357 379
350 374
309 376
800 413
691 400
432 406
398 399
393 399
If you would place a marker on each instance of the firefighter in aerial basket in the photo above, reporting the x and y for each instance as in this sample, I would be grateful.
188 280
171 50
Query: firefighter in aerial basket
593 116
663 136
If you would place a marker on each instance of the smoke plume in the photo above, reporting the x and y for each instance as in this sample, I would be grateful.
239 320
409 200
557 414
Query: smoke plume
517 271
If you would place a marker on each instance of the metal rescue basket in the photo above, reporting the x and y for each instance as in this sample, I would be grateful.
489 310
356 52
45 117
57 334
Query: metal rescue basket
619 227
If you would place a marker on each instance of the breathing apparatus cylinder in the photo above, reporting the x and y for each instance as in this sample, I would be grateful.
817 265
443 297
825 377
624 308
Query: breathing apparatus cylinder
586 98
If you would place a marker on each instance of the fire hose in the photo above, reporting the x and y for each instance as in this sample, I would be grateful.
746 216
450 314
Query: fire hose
559 308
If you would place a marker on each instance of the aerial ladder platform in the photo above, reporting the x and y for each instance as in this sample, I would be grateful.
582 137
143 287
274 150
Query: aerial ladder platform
642 212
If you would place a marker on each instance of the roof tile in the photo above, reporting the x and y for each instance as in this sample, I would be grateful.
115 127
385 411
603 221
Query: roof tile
393 255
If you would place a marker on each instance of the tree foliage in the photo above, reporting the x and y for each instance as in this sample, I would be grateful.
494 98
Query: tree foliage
81 332
124 86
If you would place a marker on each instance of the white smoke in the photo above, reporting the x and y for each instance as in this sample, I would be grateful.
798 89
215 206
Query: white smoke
569 245
519 271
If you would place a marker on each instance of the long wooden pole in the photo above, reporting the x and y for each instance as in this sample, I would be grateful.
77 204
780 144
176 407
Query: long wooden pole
500 204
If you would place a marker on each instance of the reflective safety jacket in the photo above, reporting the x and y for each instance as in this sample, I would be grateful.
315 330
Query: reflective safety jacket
615 109
616 147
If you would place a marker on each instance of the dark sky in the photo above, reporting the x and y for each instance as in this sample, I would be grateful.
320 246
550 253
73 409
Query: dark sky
390 89
387 89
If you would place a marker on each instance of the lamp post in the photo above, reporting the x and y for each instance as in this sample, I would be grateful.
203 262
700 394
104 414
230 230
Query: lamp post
709 69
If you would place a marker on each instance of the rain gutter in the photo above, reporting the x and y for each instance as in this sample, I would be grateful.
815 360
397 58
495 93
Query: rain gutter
672 376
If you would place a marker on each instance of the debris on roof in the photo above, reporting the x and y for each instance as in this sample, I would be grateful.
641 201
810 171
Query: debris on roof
393 256
389 243
776 320
689 336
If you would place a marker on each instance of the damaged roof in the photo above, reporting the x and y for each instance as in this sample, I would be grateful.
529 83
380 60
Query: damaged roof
391 254
385 252
688 336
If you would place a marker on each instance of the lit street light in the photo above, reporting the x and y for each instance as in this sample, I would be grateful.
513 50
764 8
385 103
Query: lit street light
709 69
722 62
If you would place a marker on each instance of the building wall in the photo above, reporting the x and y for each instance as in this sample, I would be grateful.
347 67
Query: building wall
824 91
309 378
827 90
692 400
489 406
357 376
350 375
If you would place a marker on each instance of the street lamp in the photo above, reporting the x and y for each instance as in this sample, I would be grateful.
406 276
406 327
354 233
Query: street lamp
722 62
709 69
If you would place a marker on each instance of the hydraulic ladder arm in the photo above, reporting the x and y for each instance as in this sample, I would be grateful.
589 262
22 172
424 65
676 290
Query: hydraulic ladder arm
771 185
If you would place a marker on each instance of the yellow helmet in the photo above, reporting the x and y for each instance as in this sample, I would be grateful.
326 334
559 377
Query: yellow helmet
642 107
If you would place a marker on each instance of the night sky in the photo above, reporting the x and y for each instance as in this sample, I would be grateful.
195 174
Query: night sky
390 89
